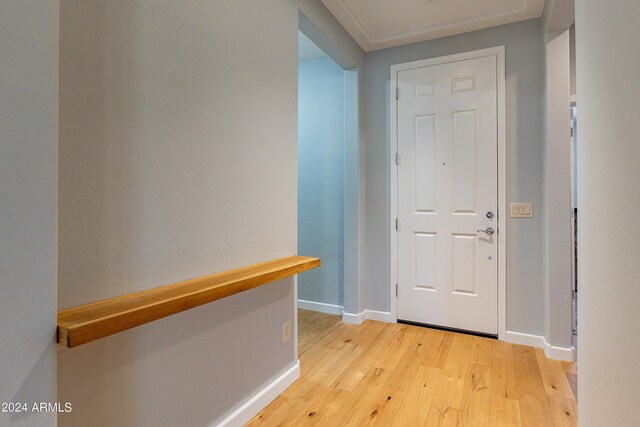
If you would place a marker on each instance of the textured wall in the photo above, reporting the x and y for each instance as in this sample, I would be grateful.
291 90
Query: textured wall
609 172
177 159
558 222
28 174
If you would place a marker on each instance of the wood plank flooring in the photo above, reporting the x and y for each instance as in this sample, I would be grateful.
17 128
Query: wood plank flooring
400 375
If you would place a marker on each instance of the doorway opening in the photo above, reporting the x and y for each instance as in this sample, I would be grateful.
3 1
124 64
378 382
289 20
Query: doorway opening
321 124
327 163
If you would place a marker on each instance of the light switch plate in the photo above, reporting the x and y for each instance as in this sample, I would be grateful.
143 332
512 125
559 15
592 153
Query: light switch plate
521 210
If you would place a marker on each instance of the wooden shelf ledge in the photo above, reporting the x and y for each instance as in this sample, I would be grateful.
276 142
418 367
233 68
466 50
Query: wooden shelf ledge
89 322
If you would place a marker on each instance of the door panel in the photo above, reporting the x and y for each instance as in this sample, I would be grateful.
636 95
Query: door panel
425 248
425 163
464 264
447 182
464 162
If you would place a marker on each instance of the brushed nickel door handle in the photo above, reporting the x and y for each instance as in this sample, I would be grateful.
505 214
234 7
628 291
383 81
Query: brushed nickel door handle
489 231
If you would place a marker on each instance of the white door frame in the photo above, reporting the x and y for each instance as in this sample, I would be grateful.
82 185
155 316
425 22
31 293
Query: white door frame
499 53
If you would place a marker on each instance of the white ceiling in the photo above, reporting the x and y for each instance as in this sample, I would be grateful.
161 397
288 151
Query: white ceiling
307 49
378 24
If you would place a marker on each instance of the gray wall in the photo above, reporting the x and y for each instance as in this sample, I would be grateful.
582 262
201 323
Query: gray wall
609 158
557 170
524 43
321 169
572 60
177 159
28 174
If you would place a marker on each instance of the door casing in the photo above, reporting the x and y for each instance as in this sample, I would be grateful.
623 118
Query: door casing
499 53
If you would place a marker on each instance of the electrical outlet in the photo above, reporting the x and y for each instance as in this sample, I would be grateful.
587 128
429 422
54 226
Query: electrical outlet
521 210
286 331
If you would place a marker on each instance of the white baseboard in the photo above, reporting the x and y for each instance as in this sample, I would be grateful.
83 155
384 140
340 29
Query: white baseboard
320 306
381 316
259 401
355 319
525 339
567 354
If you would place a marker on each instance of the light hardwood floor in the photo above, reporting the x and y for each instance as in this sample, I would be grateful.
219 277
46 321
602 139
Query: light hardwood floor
400 375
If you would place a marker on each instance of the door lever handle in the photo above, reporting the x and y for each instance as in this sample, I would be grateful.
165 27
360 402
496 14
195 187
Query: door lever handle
488 231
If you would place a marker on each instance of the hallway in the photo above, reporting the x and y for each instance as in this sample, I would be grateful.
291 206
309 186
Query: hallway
394 374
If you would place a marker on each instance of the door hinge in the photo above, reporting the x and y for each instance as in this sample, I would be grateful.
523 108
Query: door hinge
397 93
396 290
396 224
397 159
569 128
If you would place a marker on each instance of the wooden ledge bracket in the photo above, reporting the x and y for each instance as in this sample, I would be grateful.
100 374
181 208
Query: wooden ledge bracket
89 322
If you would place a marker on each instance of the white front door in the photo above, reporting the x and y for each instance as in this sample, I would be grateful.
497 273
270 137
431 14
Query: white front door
447 191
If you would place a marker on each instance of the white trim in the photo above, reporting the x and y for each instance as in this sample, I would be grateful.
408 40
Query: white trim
393 299
260 400
351 21
320 306
380 316
567 354
502 195
353 318
524 339
295 318
499 53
